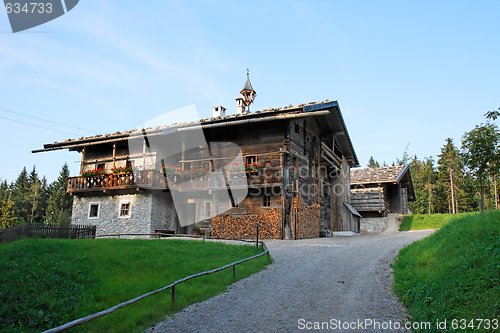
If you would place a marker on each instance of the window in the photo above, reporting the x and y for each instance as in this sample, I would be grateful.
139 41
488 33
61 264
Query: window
94 210
250 159
266 201
101 166
208 208
124 209
297 128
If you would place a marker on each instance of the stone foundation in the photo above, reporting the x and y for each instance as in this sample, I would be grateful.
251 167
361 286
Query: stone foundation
373 225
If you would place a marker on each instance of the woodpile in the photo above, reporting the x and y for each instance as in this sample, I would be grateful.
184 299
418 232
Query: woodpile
244 226
308 219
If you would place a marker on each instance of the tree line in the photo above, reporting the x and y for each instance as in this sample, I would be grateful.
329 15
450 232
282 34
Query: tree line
30 199
462 179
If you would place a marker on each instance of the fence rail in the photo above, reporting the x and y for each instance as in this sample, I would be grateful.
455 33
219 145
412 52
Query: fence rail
37 230
157 235
171 286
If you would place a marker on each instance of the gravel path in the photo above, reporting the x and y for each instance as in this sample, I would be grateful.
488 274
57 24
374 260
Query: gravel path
317 280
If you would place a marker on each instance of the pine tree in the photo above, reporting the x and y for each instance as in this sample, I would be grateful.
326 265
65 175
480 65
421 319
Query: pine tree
424 182
405 158
7 216
372 163
43 199
59 204
35 194
450 179
4 191
20 197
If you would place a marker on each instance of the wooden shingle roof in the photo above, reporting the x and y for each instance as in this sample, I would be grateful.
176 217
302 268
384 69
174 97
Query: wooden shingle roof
334 123
390 174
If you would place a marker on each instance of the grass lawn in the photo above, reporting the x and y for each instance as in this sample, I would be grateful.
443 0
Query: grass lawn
48 282
429 221
454 273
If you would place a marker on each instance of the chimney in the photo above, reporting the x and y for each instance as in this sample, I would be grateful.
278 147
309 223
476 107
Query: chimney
219 111
241 108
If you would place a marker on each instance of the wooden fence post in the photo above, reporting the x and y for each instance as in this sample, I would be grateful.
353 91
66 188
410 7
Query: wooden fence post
257 236
173 294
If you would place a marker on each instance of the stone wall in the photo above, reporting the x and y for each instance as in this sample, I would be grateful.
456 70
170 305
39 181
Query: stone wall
162 212
243 226
109 221
373 225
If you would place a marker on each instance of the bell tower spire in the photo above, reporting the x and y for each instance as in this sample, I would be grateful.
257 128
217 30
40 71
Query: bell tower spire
247 96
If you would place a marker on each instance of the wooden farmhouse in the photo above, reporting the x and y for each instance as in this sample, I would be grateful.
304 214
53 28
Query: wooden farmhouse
379 191
292 178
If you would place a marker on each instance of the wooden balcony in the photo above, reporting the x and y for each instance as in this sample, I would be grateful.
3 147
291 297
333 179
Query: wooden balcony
145 178
328 155
264 177
153 179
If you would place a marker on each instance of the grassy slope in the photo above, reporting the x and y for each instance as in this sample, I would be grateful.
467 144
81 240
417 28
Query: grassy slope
453 273
44 283
429 221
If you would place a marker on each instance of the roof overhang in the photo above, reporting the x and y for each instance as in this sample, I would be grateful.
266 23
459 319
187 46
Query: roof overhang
333 125
337 127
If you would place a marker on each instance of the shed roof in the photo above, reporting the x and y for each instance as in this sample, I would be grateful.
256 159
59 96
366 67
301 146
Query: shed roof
390 174
352 209
384 175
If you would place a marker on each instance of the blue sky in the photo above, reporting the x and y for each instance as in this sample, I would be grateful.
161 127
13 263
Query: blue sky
403 72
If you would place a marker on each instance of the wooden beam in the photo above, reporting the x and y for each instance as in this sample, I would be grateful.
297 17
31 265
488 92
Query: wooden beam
114 155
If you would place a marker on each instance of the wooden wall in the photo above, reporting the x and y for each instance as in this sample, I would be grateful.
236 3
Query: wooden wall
384 198
309 199
342 218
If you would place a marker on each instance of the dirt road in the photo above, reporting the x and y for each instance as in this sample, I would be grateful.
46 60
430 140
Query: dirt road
345 279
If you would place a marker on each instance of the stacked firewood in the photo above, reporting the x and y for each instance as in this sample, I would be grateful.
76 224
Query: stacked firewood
244 226
308 220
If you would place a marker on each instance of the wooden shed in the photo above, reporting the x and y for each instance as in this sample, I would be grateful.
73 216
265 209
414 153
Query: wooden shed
379 191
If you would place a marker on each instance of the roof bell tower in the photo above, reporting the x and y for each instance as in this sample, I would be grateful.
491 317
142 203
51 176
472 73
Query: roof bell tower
247 96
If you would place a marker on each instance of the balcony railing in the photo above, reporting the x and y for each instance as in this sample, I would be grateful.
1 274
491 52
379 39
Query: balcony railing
259 178
156 180
143 178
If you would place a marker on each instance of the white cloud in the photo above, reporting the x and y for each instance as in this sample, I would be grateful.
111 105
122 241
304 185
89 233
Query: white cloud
153 58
